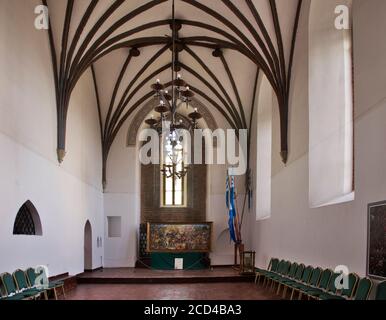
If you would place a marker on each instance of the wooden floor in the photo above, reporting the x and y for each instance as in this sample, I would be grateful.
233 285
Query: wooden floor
193 291
219 283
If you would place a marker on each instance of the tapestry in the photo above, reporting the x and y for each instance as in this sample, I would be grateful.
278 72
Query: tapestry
376 251
179 237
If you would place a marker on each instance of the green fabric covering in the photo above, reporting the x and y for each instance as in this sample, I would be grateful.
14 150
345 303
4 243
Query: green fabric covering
381 291
332 297
307 274
274 265
363 290
315 277
314 292
299 271
325 279
327 296
286 268
331 286
292 270
165 261
31 276
9 284
21 280
16 297
352 279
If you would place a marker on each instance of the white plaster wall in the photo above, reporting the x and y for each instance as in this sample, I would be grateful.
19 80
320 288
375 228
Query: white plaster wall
333 235
122 199
65 196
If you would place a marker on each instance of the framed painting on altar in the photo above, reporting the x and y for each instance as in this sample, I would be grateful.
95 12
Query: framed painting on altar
179 237
376 241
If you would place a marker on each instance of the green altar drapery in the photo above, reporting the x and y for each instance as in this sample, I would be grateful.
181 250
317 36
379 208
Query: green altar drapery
192 260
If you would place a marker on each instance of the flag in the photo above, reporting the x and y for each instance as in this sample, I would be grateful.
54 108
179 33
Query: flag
230 203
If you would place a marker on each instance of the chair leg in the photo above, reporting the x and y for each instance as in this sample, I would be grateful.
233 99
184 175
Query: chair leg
45 295
55 294
300 295
278 289
64 292
284 292
292 294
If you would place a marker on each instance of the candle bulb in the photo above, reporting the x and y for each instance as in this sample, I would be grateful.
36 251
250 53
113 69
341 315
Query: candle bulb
195 110
158 80
178 76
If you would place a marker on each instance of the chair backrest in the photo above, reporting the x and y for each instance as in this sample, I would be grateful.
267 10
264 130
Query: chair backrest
31 276
314 280
307 274
280 266
363 289
299 271
20 279
274 264
332 285
286 269
292 270
325 279
9 283
381 291
352 282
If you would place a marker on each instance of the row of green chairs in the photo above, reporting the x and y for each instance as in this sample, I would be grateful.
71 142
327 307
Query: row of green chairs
27 285
314 283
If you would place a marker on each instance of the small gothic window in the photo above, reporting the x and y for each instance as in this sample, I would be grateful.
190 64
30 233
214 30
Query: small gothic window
27 221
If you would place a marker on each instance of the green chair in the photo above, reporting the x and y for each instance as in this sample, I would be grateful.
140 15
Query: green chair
282 273
268 274
304 283
364 288
331 289
321 287
11 290
345 294
297 279
381 291
290 276
272 267
51 287
24 287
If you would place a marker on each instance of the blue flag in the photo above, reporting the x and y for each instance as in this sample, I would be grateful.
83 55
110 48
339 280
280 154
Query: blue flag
230 203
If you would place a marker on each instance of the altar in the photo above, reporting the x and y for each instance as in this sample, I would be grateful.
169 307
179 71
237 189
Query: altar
183 246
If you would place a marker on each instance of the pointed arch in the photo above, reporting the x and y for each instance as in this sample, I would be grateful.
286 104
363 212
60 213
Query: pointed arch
27 221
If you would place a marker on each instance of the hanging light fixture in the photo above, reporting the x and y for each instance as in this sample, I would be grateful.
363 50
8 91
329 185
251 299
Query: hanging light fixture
167 110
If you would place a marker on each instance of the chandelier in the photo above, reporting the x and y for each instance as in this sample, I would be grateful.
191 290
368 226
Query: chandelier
170 100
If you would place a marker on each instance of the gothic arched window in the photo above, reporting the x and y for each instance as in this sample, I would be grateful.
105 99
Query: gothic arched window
27 221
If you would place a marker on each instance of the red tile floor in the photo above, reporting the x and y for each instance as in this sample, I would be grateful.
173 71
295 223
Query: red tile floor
196 291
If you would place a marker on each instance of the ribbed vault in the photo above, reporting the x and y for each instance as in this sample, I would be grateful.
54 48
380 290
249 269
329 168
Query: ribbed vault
223 45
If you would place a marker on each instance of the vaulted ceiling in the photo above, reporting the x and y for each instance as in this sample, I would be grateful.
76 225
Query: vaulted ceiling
224 44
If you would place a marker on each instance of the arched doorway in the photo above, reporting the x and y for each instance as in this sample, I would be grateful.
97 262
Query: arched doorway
87 246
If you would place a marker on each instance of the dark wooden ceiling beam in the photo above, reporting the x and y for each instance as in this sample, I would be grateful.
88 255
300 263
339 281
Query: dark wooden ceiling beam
263 54
234 87
116 87
217 81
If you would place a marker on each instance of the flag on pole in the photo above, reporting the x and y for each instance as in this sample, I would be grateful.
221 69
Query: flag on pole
230 203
